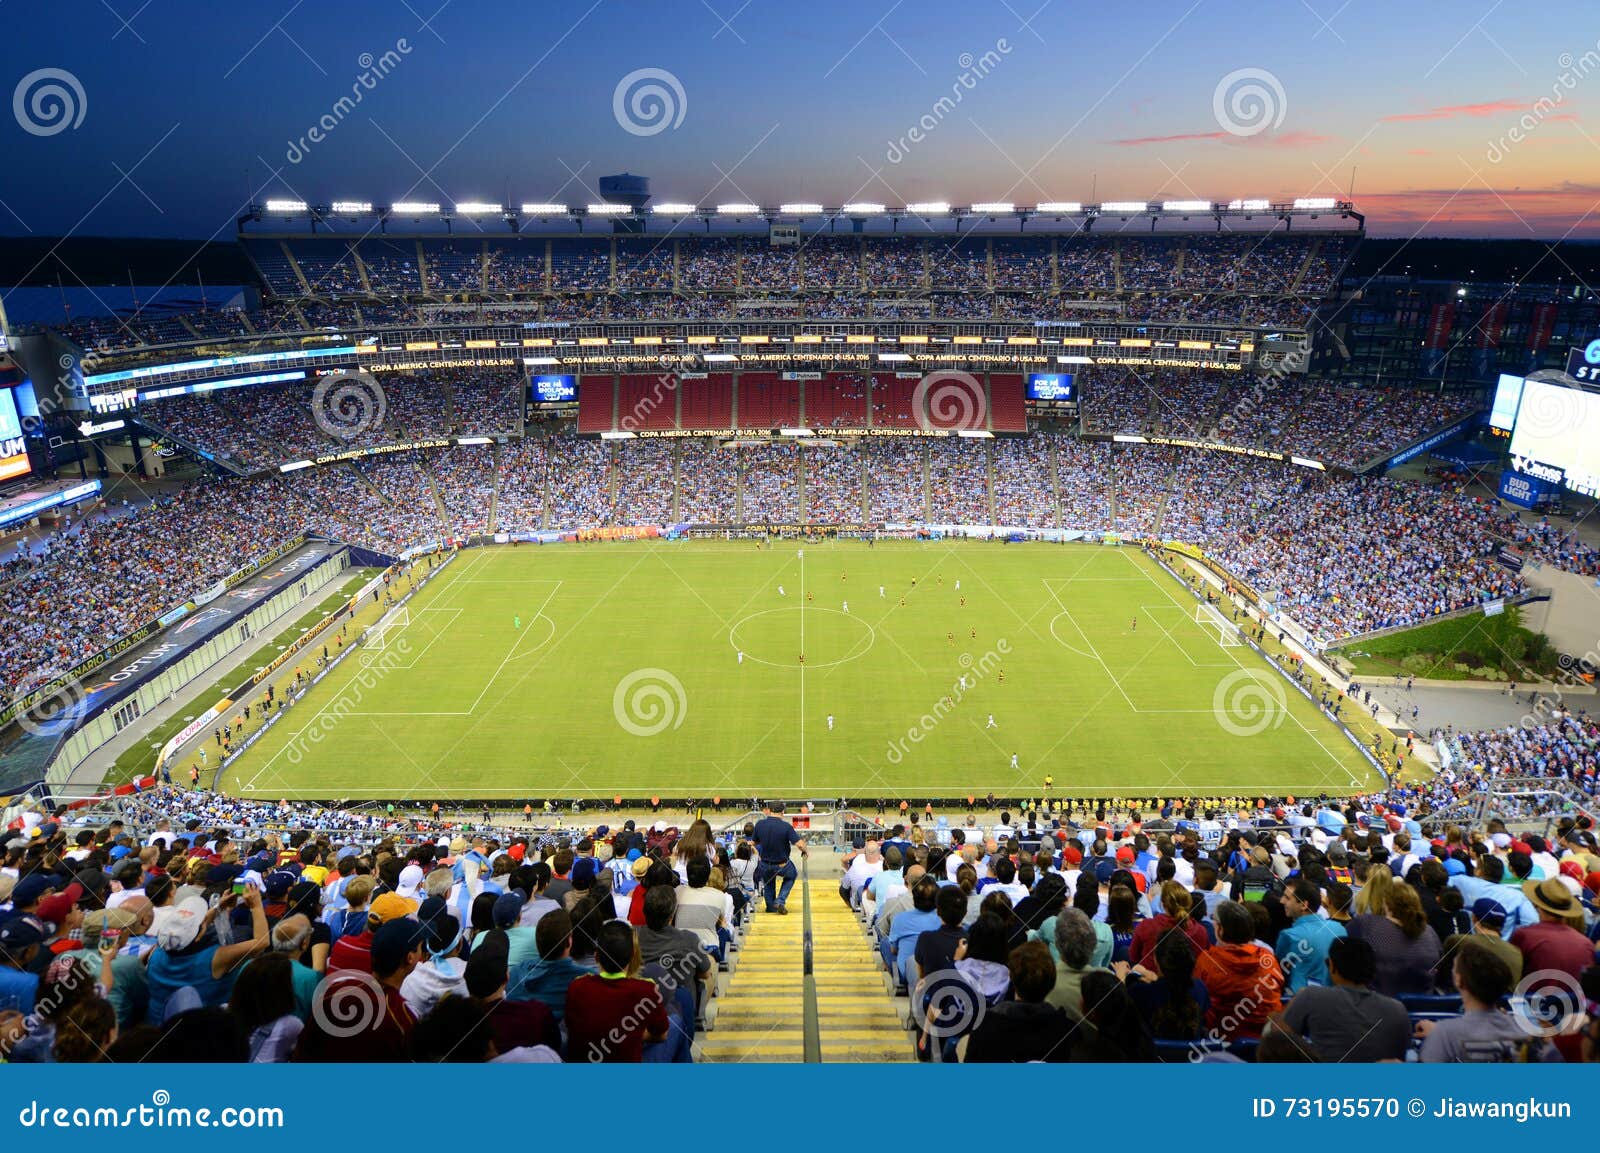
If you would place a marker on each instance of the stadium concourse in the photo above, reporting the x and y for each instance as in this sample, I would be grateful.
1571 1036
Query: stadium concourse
202 928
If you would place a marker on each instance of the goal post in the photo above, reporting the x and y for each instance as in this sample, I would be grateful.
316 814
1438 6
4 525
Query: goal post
1210 617
394 622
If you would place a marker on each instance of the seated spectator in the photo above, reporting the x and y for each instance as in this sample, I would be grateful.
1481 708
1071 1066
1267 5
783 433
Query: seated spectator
1244 984
1171 1002
1404 943
1174 917
1303 946
909 925
514 1024
678 951
1026 1027
700 907
1556 944
1112 1030
360 1022
611 1015
1346 1020
1076 946
263 1001
441 972
547 977
189 956
1484 1032
1488 918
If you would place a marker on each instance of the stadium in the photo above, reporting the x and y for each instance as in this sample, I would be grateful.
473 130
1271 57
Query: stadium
1150 630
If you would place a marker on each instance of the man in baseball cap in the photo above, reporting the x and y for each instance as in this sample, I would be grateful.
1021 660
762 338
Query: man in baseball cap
1488 920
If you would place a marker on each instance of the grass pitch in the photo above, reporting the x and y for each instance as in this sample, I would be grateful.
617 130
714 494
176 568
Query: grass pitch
625 677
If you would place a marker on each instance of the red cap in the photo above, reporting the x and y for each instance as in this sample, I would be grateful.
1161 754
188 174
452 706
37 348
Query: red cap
55 908
1072 855
1125 854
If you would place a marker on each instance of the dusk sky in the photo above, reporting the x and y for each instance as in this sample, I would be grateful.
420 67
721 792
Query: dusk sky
190 110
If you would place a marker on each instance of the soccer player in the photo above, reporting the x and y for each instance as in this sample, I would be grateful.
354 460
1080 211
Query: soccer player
1013 760
958 584
950 638
830 722
847 606
516 622
963 602
1133 625
974 633
781 592
991 724
880 592
741 656
1048 782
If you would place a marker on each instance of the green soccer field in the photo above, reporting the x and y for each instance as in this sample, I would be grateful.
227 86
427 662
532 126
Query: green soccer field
593 670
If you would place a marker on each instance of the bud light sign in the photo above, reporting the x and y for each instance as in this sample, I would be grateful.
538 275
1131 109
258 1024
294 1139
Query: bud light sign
1523 490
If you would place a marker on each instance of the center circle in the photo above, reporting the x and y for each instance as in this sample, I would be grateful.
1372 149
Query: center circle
832 637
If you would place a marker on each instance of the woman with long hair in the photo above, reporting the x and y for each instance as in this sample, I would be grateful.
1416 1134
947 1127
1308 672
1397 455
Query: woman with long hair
1122 911
1406 946
695 842
1370 897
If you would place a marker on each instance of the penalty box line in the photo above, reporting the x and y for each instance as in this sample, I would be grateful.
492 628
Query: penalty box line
1304 728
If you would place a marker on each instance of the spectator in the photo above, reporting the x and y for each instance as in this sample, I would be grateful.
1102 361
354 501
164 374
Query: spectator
1302 948
1346 1020
1483 1032
1026 1027
1405 944
611 1015
1555 944
1244 985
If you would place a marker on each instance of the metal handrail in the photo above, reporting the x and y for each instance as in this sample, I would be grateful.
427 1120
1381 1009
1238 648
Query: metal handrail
811 1024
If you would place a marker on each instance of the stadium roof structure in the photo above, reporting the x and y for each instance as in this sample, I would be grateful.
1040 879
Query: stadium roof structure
1073 214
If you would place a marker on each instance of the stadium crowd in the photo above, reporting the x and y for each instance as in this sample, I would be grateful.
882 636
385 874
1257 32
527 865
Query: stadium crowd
1122 930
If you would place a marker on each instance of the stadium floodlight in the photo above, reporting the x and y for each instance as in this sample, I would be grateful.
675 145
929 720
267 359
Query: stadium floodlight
1250 205
414 208
289 206
478 208
994 206
609 210
1186 206
738 209
802 209
352 207
1058 206
863 208
674 209
1124 206
929 208
544 210
1315 202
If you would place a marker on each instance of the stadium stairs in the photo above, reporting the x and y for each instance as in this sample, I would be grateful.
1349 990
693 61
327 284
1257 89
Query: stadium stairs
760 1012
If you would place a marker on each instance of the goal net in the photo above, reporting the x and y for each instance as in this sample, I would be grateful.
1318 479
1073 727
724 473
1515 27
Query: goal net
381 635
1210 618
